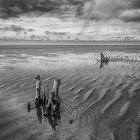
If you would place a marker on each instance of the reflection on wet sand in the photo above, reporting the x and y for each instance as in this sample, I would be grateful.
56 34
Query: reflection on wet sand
39 114
52 119
96 104
103 63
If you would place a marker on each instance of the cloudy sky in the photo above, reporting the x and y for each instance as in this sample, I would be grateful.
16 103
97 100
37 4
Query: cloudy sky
70 19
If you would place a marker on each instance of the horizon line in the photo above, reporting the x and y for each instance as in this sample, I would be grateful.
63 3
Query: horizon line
67 42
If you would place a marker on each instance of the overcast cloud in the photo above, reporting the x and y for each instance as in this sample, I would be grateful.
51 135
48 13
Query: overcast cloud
90 9
99 17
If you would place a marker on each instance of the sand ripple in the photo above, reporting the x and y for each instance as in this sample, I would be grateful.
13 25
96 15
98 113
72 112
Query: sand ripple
102 104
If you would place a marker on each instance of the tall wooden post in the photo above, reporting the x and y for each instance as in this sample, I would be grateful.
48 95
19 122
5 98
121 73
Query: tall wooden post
45 91
56 87
38 90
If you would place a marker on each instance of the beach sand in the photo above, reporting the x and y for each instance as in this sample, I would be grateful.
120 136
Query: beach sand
99 102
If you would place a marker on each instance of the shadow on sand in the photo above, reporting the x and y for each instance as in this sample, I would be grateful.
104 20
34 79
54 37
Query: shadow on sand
52 119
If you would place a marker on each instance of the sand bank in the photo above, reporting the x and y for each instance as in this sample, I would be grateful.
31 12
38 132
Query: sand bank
102 102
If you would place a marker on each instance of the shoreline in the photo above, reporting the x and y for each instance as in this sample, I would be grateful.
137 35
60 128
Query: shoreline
64 42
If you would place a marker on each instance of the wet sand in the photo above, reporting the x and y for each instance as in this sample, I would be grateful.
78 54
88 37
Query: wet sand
99 102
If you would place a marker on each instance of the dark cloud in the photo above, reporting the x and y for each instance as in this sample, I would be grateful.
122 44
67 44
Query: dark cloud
15 28
131 15
136 4
12 8
88 9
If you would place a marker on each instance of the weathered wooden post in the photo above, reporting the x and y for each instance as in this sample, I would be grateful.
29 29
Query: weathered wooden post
29 107
45 94
102 57
56 99
45 97
55 88
38 89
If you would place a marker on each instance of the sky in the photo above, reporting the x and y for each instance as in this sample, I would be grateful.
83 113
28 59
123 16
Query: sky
70 19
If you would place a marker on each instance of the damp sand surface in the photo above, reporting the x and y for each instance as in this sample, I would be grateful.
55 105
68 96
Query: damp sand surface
98 101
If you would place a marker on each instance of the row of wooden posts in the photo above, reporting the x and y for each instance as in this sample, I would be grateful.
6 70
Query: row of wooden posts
44 90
